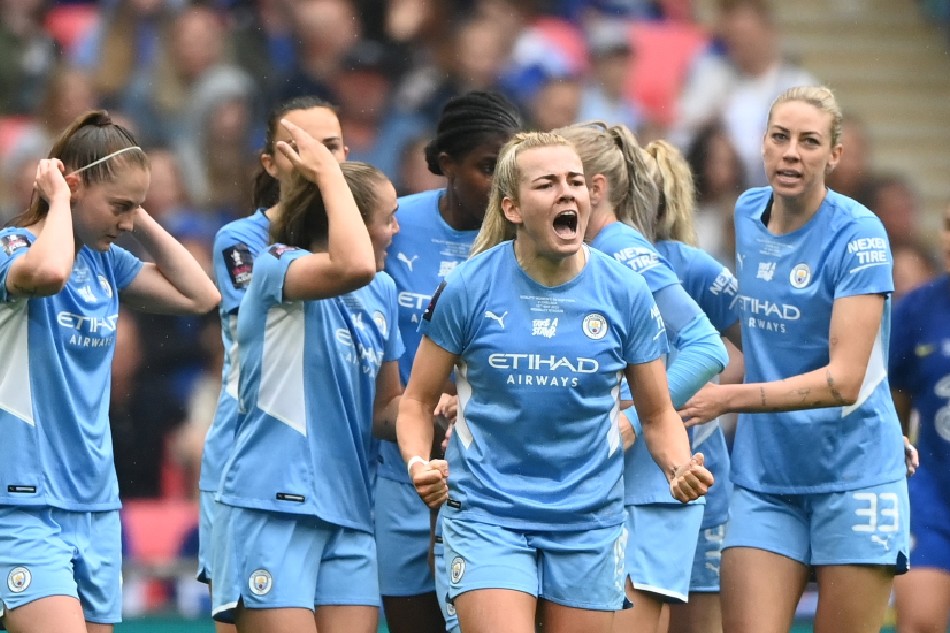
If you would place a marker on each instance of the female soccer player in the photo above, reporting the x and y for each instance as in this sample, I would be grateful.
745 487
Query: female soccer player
540 330
236 245
818 459
437 231
293 543
625 195
61 281
920 379
714 288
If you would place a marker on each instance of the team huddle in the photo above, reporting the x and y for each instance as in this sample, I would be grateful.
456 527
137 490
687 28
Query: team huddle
489 407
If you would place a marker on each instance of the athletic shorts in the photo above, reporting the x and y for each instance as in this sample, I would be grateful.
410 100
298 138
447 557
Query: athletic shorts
869 526
705 574
47 552
661 548
583 569
272 560
206 505
402 540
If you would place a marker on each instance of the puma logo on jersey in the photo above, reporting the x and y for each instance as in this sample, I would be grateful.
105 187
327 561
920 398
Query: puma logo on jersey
501 319
406 260
881 541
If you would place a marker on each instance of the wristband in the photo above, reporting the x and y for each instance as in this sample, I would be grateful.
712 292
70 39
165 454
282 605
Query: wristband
415 459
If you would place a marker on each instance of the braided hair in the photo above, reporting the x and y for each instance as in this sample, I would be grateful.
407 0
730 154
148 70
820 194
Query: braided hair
468 121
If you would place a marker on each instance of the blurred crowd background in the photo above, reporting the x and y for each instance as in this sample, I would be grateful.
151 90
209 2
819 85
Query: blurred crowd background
195 81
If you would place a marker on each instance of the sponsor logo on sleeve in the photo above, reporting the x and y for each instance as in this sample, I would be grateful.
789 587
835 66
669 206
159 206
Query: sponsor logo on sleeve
240 264
14 242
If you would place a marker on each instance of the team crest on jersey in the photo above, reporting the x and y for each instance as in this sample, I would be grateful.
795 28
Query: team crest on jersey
240 263
595 326
11 243
427 315
458 569
106 287
800 276
261 582
19 579
380 320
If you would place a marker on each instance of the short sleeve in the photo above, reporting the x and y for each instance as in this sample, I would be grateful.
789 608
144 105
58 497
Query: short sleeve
446 319
13 245
125 267
233 267
270 270
864 263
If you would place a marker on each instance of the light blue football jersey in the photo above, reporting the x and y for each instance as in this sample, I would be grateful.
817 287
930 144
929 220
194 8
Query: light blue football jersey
236 245
373 312
537 444
645 483
299 446
715 289
920 366
787 288
425 250
56 447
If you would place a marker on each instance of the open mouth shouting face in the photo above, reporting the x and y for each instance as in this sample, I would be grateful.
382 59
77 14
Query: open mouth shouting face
553 205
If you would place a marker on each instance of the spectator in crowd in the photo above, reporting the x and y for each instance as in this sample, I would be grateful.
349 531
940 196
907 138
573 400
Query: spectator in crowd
853 173
611 57
914 266
894 199
719 179
124 47
29 56
414 174
738 84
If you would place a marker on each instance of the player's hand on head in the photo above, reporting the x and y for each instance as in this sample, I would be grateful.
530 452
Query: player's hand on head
308 156
691 480
430 480
705 405
50 180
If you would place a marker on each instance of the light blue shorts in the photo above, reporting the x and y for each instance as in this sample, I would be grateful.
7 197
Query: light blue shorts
47 552
705 575
402 540
442 589
661 548
206 505
869 526
272 560
582 569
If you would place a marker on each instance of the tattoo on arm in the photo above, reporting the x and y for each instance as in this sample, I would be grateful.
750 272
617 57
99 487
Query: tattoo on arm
19 291
803 393
834 389
762 395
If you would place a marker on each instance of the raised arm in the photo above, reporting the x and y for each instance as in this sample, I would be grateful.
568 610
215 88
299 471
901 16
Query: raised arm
349 262
46 266
855 322
175 283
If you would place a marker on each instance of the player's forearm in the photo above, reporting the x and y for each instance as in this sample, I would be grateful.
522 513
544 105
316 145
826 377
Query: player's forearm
816 389
414 428
667 440
384 420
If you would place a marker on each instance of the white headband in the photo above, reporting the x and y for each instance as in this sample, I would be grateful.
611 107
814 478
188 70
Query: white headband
105 158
